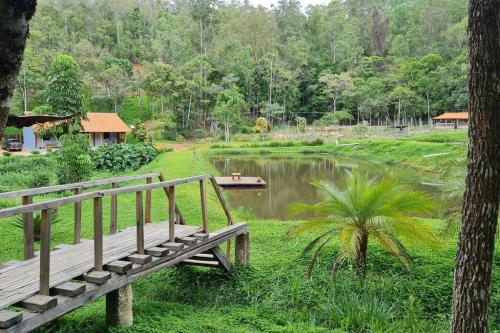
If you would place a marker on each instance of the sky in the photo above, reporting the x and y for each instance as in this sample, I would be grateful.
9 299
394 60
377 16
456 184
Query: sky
304 3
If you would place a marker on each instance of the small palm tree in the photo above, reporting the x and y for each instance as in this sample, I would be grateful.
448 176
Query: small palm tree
382 209
37 223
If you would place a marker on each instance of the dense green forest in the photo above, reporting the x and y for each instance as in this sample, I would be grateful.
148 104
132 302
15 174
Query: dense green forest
380 60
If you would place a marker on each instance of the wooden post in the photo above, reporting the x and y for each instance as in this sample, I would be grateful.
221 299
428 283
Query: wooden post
113 224
171 214
119 307
98 235
77 227
242 253
28 230
181 218
45 252
139 218
147 218
203 206
226 211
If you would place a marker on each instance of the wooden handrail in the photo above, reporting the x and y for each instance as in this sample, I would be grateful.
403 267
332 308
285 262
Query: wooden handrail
153 186
48 204
72 186
90 195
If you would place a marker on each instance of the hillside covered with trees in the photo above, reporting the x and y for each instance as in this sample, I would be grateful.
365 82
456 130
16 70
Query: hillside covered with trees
379 60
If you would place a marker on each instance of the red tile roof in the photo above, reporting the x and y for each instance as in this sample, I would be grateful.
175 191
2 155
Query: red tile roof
453 116
104 122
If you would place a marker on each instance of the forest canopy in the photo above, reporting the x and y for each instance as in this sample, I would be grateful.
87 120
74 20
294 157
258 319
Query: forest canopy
376 59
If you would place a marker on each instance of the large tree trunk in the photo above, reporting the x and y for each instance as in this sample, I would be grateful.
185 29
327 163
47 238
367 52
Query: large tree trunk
14 27
480 209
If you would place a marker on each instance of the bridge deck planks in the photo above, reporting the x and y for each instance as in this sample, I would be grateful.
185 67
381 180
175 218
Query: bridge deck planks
21 280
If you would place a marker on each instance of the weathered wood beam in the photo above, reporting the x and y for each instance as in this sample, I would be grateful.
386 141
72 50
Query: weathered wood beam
82 185
28 230
98 235
77 227
45 252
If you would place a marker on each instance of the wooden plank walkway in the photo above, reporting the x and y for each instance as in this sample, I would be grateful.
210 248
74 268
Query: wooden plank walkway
20 281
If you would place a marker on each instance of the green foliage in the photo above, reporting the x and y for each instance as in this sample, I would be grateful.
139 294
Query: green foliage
64 91
301 123
334 118
139 131
6 153
19 172
227 109
73 156
37 223
261 125
366 209
122 157
43 109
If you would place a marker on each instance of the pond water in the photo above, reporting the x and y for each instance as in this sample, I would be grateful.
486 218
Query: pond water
289 179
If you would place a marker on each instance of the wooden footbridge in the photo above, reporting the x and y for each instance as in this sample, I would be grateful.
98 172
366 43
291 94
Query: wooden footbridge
57 280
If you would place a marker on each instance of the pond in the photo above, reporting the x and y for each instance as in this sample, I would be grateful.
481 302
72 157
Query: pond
289 179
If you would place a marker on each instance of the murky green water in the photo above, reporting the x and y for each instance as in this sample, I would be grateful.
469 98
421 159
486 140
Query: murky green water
289 179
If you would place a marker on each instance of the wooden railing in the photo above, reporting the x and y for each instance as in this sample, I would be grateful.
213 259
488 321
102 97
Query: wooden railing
46 208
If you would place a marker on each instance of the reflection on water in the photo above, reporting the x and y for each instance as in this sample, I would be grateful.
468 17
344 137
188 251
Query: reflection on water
289 179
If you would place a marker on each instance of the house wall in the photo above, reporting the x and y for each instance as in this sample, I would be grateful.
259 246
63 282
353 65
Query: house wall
97 139
29 138
42 144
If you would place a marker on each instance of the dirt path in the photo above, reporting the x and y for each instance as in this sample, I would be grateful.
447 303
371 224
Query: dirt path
180 147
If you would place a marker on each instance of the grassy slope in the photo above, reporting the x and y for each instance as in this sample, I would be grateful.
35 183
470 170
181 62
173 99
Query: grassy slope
273 295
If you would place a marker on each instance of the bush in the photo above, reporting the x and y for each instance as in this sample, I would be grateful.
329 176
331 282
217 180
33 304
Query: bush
317 142
261 125
301 123
139 131
35 152
6 154
73 155
123 157
19 172
179 138
336 118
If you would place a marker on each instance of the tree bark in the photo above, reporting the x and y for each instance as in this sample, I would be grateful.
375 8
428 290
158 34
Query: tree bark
474 259
14 28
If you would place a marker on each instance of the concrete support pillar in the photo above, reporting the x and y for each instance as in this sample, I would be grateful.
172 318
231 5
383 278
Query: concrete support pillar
242 247
119 307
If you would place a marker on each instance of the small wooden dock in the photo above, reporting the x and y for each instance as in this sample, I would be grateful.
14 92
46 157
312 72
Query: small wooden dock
237 181
50 284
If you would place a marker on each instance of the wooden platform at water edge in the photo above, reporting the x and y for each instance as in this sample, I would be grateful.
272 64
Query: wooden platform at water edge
53 282
237 181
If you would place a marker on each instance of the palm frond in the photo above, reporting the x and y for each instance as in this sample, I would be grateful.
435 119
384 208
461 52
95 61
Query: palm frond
391 243
315 241
315 257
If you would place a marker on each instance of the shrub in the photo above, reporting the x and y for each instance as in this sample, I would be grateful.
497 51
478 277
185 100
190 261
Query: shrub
7 154
301 123
123 157
19 172
261 125
35 152
139 131
75 162
317 142
179 138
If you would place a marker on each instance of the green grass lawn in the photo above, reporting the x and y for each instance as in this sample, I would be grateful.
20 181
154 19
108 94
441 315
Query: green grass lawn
274 294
